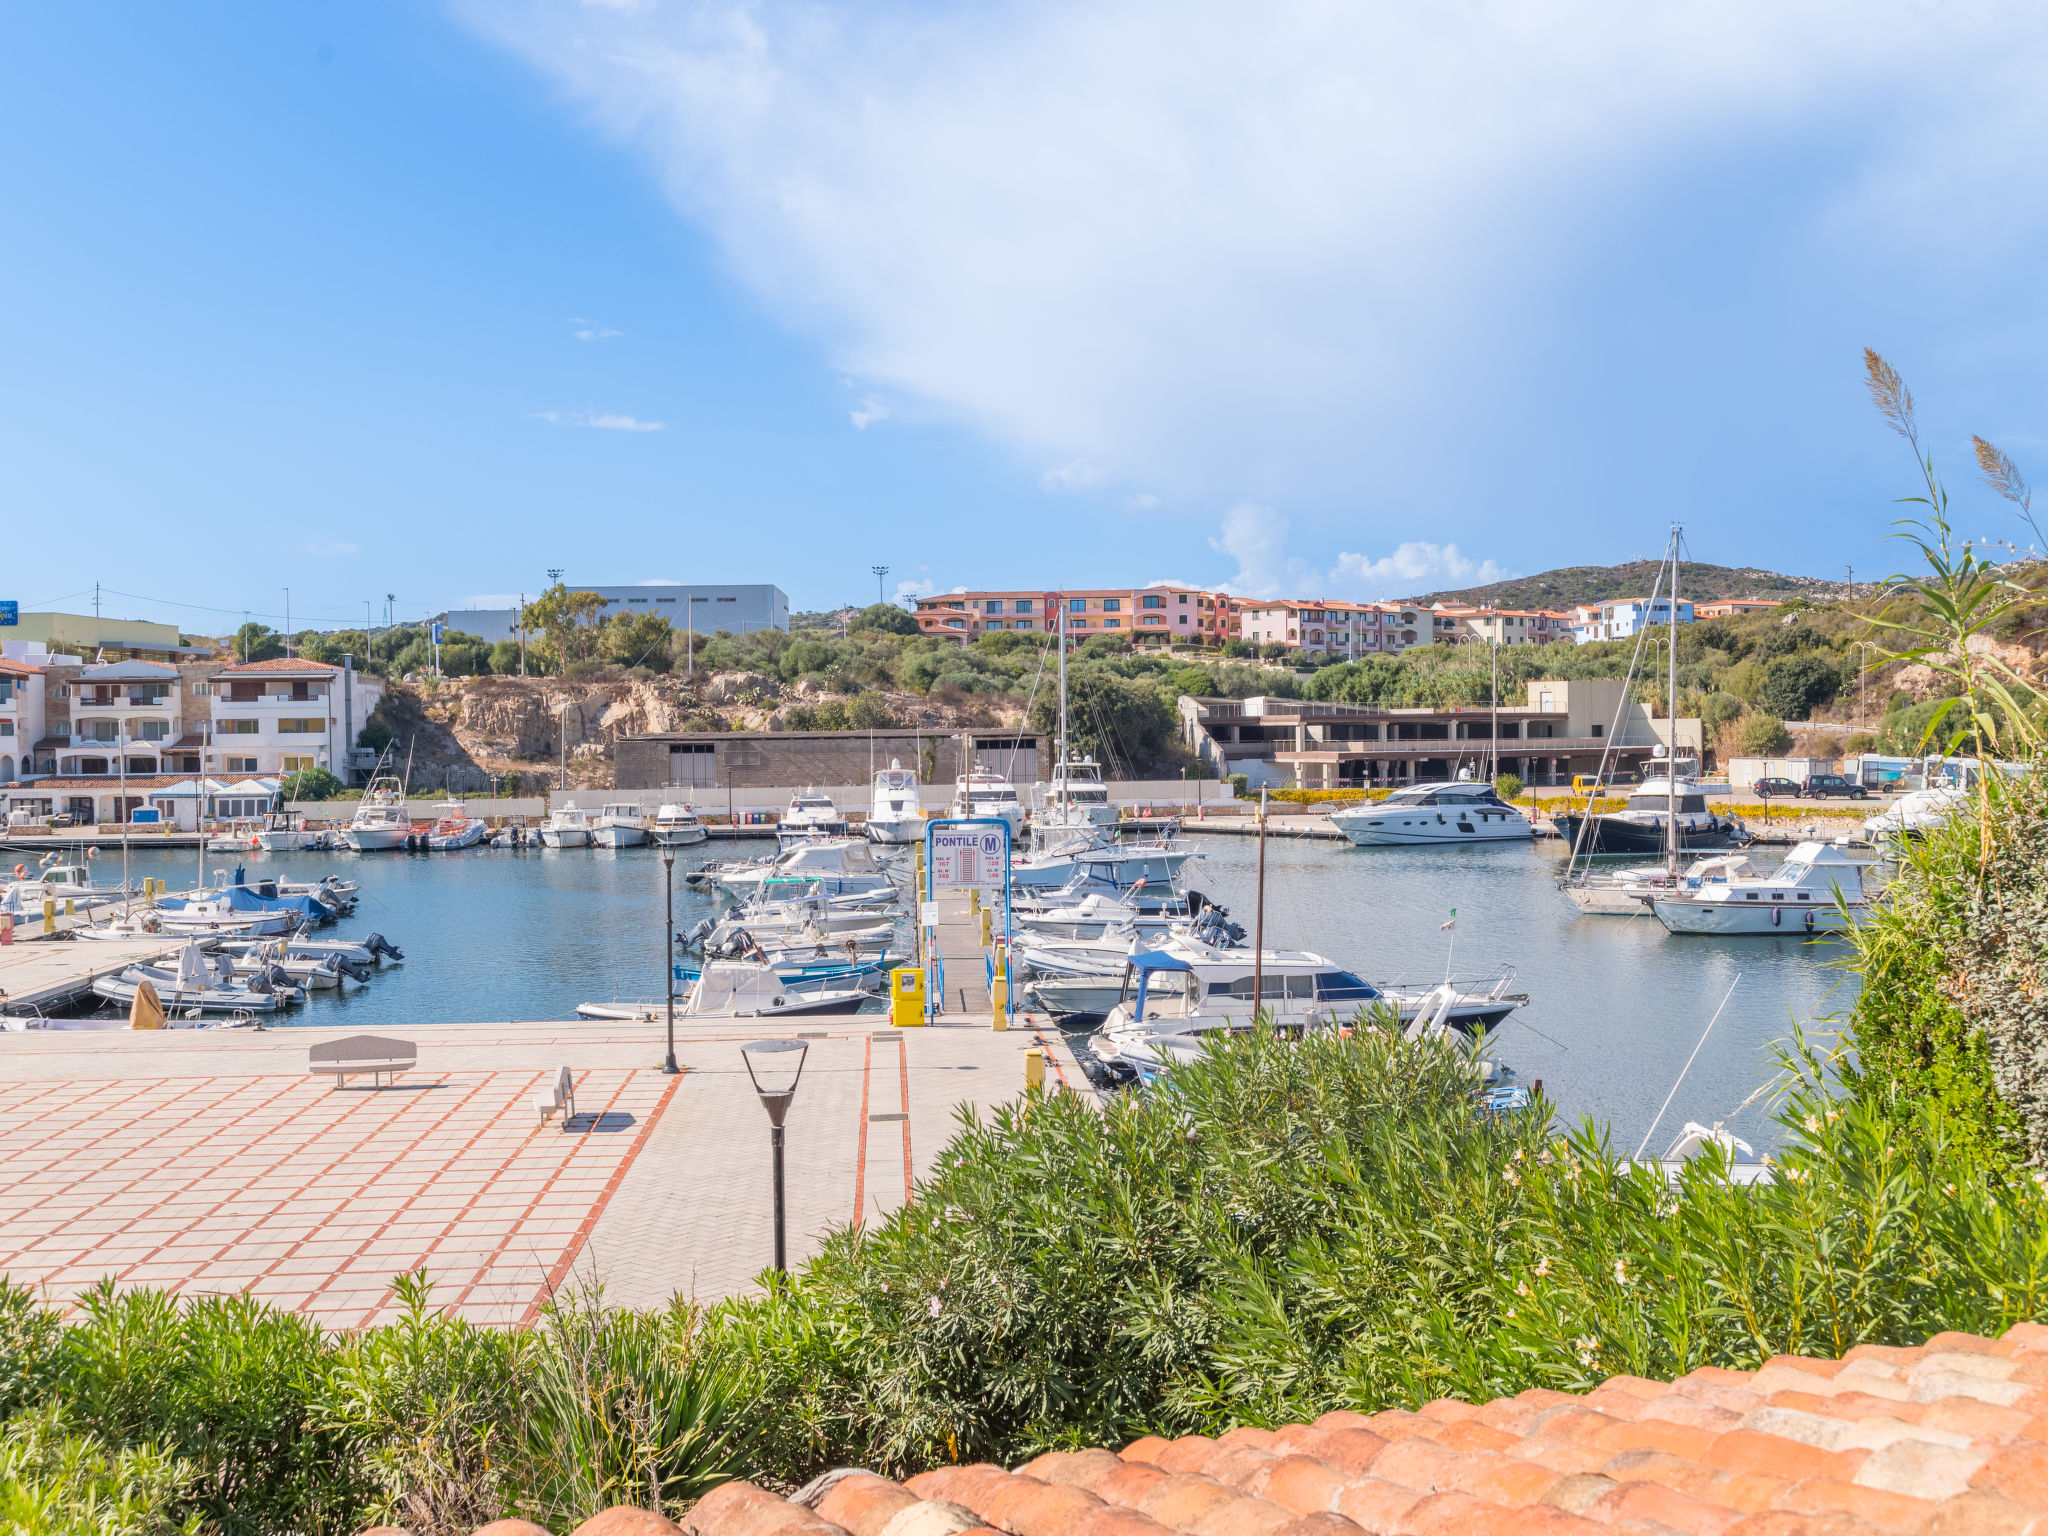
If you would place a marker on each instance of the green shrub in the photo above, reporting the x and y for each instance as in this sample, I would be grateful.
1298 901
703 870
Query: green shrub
1794 686
56 1482
1507 786
1765 736
312 784
886 617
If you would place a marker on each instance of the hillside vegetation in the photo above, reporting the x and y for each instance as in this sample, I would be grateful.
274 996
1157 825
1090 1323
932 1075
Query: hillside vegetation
1573 584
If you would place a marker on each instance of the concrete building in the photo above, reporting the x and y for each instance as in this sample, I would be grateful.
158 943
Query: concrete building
1624 616
709 760
280 716
1457 624
178 800
1326 627
1152 617
1560 730
108 639
706 609
1731 607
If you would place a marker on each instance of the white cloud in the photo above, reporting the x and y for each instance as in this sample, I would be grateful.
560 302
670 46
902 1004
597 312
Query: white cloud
328 550
868 412
603 421
1256 538
1079 475
908 592
1283 250
1144 501
590 330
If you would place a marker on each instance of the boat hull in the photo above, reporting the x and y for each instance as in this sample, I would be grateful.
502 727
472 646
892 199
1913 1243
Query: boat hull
618 837
896 833
681 837
376 839
1396 831
284 842
565 837
1611 834
1773 920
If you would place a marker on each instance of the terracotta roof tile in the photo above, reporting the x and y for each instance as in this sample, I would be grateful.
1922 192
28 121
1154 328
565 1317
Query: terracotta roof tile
1949 1438
280 664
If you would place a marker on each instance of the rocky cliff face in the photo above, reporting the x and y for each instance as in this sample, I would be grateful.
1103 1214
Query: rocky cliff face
466 731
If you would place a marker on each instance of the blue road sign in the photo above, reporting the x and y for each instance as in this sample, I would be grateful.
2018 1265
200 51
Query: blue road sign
10 613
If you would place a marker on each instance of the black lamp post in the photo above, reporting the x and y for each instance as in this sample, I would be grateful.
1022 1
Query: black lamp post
668 954
775 1073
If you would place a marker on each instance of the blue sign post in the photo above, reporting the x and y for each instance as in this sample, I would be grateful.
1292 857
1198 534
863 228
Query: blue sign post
10 612
964 854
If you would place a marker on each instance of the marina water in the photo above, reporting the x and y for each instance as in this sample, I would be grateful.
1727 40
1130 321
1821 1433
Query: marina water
1616 1004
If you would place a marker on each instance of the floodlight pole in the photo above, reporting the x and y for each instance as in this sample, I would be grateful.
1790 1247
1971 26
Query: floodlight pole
776 1099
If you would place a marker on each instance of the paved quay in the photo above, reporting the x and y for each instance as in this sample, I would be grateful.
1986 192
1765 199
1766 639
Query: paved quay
210 1161
38 971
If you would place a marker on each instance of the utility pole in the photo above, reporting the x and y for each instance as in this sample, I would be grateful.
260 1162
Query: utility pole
389 600
287 623
522 634
1852 583
880 571
95 602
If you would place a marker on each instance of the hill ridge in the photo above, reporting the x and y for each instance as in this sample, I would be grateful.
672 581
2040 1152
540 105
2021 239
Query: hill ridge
1573 584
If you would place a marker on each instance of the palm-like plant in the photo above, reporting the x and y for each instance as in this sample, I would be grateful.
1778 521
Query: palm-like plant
1953 602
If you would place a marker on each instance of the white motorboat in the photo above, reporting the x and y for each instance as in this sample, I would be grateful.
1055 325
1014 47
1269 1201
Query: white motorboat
568 826
988 797
215 915
1629 892
241 834
286 832
51 881
619 826
1075 798
1434 813
894 817
740 989
455 828
194 984
1112 863
677 826
1917 811
841 866
811 815
1743 1165
1185 986
381 821
1818 889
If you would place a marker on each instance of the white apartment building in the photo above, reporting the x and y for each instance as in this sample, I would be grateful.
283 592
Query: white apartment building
21 717
1327 628
119 717
1624 617
1457 624
280 716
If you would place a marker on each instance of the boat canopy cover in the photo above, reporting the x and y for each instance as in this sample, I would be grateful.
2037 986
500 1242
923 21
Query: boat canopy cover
1157 960
241 899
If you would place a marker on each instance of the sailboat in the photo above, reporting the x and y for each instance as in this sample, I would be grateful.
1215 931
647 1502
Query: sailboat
1667 812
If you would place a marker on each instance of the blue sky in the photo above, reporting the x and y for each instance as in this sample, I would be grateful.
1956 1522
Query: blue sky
1358 300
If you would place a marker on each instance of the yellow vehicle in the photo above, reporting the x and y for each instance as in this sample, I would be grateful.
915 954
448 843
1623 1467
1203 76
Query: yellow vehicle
1586 784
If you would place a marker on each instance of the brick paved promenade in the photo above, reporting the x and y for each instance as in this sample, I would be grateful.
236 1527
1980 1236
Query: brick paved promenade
208 1161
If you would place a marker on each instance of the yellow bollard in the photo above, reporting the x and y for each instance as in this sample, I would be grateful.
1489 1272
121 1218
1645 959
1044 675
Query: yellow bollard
71 906
49 914
999 999
988 925
906 996
973 901
1034 1068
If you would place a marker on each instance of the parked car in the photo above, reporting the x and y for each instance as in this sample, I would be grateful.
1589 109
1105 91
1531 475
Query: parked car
1824 786
1771 789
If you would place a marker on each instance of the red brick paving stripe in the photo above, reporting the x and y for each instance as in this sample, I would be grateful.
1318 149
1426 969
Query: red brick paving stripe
611 1186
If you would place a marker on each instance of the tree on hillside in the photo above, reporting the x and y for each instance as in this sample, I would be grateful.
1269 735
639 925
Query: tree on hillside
257 642
1794 686
568 624
1127 724
637 640
886 617
1763 736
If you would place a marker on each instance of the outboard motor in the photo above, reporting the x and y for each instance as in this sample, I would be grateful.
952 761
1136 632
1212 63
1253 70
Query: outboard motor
695 938
277 976
260 983
354 970
380 946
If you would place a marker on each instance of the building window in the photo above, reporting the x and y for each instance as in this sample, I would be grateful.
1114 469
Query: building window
1077 605
1183 597
995 623
151 730
956 623
92 765
236 765
1112 605
1155 602
201 690
1112 623
299 764
303 725
236 727
993 605
1023 624
6 727
1023 605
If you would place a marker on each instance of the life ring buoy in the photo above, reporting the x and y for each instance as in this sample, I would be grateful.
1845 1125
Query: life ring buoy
21 871
93 852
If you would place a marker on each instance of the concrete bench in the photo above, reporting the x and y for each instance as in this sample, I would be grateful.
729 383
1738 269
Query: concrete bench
559 1098
362 1053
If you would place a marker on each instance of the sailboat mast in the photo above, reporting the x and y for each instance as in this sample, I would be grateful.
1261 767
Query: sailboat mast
1060 747
1671 777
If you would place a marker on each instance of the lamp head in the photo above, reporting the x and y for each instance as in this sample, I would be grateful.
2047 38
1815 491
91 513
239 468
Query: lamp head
775 1067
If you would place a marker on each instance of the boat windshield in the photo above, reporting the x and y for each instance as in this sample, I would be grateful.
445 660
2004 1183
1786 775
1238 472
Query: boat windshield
1660 800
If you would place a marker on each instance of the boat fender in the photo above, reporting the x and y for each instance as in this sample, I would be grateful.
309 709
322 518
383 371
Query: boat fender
1809 920
1777 917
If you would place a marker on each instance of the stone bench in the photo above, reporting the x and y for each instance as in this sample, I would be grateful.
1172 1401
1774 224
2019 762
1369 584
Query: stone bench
362 1053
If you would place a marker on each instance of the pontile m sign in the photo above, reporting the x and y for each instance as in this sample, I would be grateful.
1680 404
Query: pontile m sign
970 858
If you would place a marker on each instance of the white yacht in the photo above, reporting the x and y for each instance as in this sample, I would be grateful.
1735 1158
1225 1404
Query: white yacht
55 882
1185 987
568 826
741 989
1629 892
989 796
619 826
1114 864
1076 797
677 826
381 821
839 866
1917 811
1798 897
285 832
811 814
1434 813
894 816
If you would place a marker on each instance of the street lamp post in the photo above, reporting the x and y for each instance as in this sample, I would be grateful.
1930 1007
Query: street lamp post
775 1075
668 954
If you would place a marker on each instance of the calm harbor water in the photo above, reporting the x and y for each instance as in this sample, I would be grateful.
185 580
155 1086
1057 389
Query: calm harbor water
1617 1004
